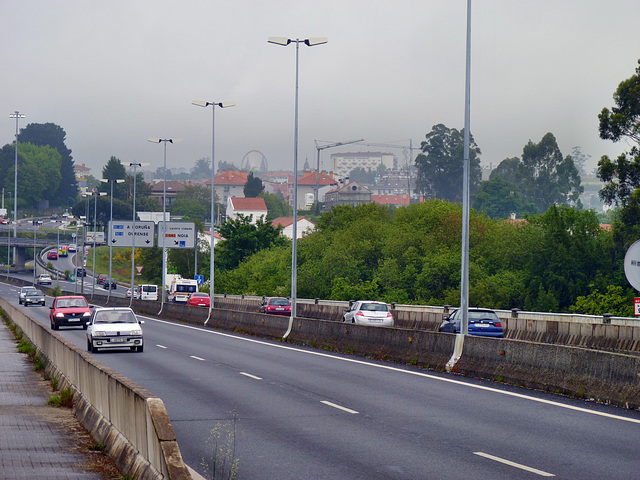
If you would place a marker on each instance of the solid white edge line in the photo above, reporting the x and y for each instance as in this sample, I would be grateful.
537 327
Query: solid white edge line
161 346
514 464
339 407
408 372
250 376
196 358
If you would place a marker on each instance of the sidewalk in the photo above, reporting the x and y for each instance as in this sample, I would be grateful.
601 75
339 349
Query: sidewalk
36 440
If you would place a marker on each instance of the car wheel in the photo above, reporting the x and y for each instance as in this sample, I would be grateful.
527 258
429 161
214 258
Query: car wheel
89 346
55 326
51 325
140 348
84 327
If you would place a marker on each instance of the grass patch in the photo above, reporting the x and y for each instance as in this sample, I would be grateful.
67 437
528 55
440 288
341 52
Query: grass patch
39 363
97 447
63 398
25 347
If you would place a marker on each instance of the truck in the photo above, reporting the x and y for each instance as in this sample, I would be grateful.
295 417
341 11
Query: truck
181 289
63 251
95 237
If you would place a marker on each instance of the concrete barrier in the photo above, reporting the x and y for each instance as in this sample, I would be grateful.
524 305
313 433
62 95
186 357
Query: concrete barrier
131 422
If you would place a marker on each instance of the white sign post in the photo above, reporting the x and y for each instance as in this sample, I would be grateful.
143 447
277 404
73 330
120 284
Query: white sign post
121 234
177 234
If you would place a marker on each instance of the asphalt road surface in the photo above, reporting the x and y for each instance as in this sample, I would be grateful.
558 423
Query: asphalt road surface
297 413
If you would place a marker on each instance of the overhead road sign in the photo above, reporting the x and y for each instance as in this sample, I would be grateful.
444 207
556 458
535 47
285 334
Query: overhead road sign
121 234
178 234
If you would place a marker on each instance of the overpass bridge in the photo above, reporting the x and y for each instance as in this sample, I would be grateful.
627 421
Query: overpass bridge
21 244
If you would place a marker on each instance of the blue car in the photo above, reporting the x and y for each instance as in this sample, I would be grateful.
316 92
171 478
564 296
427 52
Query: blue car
483 322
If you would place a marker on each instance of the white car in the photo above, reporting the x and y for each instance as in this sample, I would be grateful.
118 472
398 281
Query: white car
44 279
369 313
114 327
72 247
23 292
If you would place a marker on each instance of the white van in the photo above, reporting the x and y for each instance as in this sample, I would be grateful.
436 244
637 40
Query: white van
146 292
181 289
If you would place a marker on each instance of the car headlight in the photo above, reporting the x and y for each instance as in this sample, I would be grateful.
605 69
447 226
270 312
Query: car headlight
59 315
99 334
86 314
136 332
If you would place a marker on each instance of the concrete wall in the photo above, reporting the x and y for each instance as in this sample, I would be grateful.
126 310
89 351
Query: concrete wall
128 419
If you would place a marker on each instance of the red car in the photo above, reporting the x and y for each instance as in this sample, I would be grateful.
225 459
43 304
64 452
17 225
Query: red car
71 311
199 299
276 306
52 255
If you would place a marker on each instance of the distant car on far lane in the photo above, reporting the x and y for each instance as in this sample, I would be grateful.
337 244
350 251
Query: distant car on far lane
483 322
52 255
276 306
72 247
199 299
368 312
44 279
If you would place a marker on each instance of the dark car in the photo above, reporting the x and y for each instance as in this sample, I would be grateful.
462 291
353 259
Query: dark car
100 279
23 293
69 311
81 272
483 322
276 306
34 297
52 255
109 283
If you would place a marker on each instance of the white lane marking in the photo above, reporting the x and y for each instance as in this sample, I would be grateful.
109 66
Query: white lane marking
514 464
339 407
408 372
196 358
161 346
250 376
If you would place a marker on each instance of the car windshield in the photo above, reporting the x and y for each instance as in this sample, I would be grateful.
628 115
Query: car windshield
34 293
72 303
280 302
375 307
114 316
483 316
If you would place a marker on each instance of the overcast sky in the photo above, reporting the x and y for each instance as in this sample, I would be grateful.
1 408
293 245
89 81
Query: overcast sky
114 73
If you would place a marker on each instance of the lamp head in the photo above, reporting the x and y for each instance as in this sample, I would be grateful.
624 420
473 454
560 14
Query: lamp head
283 41
312 42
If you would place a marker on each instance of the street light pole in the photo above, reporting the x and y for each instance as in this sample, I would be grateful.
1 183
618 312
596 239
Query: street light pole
111 181
204 103
17 115
133 245
95 194
310 42
164 213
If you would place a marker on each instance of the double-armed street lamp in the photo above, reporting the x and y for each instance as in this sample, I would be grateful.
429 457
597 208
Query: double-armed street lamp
204 103
164 212
111 181
95 194
17 115
310 42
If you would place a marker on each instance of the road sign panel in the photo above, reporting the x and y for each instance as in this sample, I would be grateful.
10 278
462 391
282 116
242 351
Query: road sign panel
178 234
121 234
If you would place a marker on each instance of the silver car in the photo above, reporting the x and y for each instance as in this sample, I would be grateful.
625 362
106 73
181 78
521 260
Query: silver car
114 327
23 292
366 312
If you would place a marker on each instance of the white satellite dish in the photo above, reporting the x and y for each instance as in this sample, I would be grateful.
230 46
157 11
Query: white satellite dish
632 265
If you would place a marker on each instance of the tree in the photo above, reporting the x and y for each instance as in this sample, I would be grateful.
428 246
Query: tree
52 135
276 206
622 175
242 239
508 170
194 202
499 199
202 169
226 166
548 178
253 187
114 170
361 175
440 164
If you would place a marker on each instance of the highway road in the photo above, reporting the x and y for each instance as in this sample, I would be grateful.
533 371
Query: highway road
300 413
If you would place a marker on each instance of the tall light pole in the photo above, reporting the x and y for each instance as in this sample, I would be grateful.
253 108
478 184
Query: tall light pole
17 115
95 194
322 147
310 42
164 212
111 181
135 166
204 103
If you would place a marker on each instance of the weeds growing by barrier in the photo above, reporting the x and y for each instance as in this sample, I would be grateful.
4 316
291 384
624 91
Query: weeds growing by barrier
222 445
62 399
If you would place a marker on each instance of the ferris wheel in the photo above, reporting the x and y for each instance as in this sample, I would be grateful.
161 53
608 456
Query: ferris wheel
254 160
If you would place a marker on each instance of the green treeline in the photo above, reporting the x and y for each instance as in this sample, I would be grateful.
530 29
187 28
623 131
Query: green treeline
560 261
